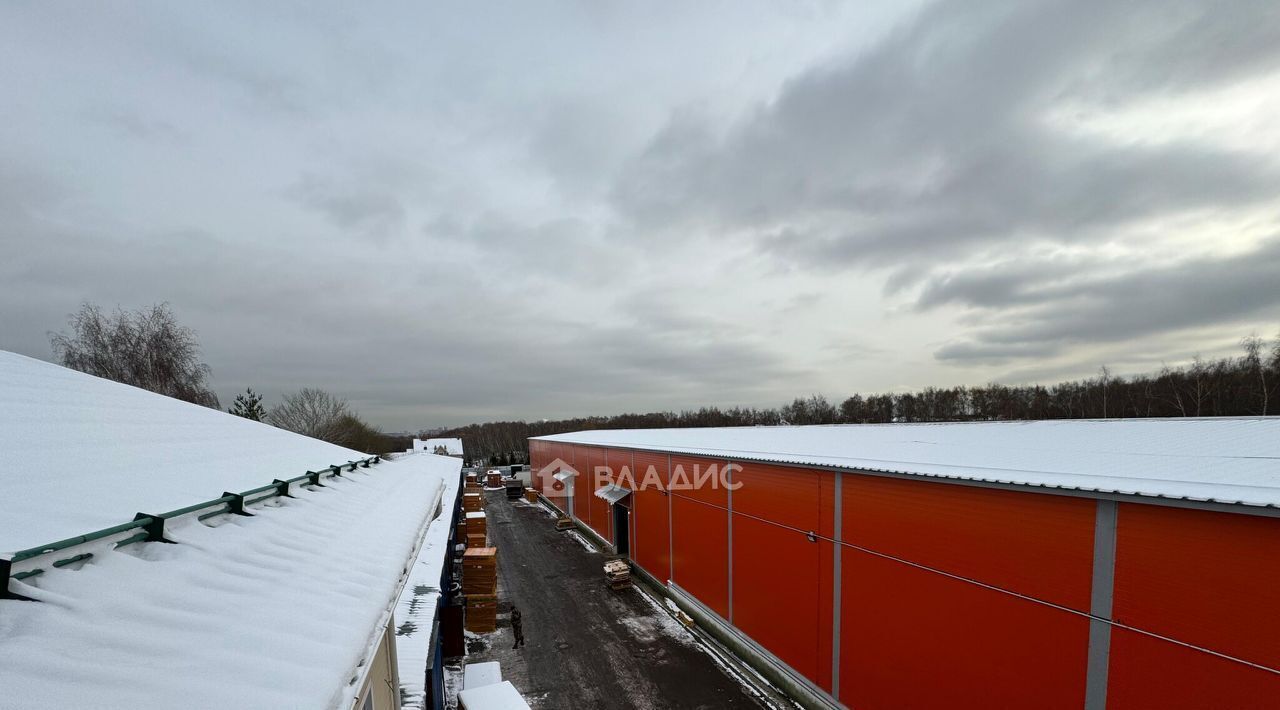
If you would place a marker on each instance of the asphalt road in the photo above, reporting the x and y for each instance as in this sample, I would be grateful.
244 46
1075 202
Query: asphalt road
587 646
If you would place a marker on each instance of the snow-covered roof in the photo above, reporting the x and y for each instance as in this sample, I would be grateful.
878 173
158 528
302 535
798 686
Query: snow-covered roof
81 453
282 607
275 610
1224 460
416 608
478 675
499 696
453 447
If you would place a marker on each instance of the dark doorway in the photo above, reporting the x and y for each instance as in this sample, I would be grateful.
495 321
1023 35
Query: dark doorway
621 528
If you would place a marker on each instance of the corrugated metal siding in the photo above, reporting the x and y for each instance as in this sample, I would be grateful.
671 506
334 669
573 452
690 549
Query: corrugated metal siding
1223 459
778 593
1151 673
599 520
651 549
787 496
686 471
582 493
1203 578
916 639
1037 545
701 551
913 637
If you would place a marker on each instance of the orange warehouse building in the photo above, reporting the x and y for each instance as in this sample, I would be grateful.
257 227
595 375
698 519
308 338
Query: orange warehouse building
1119 564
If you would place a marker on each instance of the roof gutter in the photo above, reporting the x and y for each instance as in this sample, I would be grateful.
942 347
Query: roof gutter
150 527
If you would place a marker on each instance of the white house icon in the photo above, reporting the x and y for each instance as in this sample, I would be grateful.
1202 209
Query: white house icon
560 471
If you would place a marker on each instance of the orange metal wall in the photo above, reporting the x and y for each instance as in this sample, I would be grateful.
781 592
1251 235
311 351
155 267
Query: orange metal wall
782 582
912 639
1203 578
1147 672
983 648
700 537
651 547
687 470
598 517
778 595
581 483
1031 543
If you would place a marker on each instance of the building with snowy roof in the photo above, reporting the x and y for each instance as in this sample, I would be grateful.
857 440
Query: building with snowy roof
1116 564
444 447
158 554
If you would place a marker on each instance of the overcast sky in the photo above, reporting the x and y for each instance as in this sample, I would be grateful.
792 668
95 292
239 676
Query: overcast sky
451 212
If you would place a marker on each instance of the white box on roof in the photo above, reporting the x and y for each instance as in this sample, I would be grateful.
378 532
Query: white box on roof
478 675
500 696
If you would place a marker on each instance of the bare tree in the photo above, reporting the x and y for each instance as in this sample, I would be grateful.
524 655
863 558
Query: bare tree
1104 376
145 348
313 412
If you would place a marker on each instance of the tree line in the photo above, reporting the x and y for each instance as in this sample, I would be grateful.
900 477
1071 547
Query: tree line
1245 385
149 349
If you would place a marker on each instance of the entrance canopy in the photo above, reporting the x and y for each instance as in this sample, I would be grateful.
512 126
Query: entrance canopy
612 493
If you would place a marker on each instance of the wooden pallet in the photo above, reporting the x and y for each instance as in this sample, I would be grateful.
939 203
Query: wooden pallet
618 574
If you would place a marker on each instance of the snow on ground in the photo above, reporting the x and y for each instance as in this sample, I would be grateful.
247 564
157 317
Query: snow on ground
83 453
416 607
270 611
581 540
1222 459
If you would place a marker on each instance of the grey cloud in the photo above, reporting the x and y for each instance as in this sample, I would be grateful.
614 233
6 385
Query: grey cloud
131 124
372 209
1034 320
935 143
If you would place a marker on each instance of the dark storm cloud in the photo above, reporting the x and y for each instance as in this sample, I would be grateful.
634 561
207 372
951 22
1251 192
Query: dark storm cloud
1038 318
939 141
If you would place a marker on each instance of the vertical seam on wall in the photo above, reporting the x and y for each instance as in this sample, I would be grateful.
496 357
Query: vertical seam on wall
631 510
671 537
838 535
1100 602
729 493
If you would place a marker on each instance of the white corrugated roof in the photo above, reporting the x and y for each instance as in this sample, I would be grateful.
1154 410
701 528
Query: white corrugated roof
277 609
81 453
1225 460
281 606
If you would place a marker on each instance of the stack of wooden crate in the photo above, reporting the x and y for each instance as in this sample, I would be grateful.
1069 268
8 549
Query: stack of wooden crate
480 587
531 495
473 503
477 529
618 574
494 479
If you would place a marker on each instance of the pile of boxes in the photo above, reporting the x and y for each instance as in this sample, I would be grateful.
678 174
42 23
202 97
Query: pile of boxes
473 502
480 587
477 528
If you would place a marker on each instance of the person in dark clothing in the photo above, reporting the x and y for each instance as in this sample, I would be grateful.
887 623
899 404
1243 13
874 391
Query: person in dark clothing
517 628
